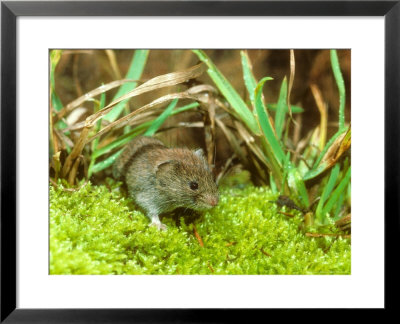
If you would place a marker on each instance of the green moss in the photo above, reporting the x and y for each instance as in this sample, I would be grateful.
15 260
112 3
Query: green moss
96 230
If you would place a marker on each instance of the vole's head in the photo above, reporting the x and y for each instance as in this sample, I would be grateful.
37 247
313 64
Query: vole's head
188 180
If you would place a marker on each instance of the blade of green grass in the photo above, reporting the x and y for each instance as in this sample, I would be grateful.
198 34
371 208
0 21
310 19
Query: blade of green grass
319 168
265 124
248 76
295 109
270 144
122 140
340 84
286 166
280 111
161 119
55 56
135 71
106 163
327 191
186 107
229 93
333 199
57 104
296 183
272 183
338 207
348 193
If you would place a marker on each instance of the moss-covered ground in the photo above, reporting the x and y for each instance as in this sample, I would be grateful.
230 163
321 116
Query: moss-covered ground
96 230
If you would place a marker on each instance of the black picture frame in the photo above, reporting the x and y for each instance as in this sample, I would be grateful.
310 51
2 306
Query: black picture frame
10 10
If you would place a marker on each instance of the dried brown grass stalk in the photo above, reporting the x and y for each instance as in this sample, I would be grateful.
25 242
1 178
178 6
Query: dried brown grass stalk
77 102
337 149
76 151
291 80
63 139
113 62
158 82
251 144
323 126
178 125
225 169
67 52
209 131
233 141
74 170
53 139
252 162
126 119
297 128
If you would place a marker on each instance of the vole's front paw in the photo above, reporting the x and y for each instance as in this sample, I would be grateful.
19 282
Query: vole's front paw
159 225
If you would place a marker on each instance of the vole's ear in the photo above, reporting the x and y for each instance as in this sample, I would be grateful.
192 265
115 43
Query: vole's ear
166 166
200 153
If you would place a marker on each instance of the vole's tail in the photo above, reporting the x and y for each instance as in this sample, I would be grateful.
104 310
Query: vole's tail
129 152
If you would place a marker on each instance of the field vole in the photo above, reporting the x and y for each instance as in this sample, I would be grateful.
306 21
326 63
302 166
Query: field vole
161 179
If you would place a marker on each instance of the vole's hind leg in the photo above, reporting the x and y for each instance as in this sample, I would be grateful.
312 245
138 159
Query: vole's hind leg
155 221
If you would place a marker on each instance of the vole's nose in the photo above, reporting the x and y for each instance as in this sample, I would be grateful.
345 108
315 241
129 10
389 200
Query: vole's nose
214 201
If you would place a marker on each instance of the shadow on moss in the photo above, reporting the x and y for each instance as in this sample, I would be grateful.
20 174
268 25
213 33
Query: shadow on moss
97 231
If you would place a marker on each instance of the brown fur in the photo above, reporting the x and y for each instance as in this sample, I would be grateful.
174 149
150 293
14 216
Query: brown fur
159 179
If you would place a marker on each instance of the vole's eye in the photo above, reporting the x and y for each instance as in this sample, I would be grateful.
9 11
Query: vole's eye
194 185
